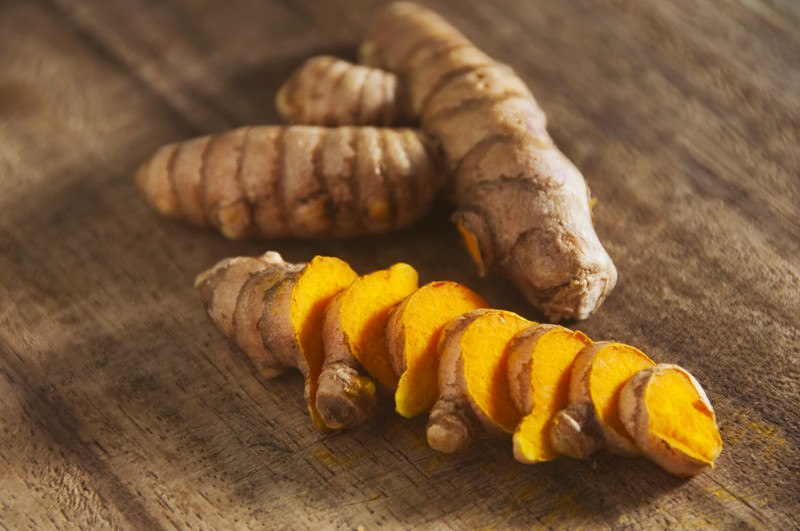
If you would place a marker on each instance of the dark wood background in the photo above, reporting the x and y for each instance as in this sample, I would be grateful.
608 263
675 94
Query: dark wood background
120 404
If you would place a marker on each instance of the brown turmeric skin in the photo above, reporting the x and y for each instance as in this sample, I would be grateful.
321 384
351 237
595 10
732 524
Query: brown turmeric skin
331 92
523 207
273 311
295 181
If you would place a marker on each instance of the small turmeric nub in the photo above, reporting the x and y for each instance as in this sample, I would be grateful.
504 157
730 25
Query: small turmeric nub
412 335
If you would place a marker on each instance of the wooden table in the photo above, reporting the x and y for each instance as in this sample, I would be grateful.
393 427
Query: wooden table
121 404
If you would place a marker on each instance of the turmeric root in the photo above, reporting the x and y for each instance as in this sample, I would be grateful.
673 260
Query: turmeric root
668 414
412 335
591 420
329 91
294 181
283 304
539 366
473 380
354 335
523 207
497 371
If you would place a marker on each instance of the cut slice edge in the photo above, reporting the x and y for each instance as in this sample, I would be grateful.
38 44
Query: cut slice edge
413 333
540 365
485 365
591 420
364 312
315 286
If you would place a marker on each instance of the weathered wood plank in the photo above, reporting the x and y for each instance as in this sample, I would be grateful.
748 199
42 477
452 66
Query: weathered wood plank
122 406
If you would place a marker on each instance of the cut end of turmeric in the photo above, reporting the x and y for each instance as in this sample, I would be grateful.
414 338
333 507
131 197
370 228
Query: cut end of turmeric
540 363
413 332
472 245
667 412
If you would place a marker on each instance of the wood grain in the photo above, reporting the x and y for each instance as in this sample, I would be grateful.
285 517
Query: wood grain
122 406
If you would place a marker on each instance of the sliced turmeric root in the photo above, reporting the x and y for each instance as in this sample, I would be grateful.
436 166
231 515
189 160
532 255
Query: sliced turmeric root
591 420
473 379
354 332
539 366
412 335
668 414
280 302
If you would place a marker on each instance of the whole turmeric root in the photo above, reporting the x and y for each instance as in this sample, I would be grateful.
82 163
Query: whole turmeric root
668 414
354 336
592 421
295 181
274 310
539 367
329 91
473 382
523 207
412 336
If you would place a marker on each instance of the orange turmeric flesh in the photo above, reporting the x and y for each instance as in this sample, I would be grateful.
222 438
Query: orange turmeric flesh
610 370
680 416
413 335
551 357
316 285
364 311
484 355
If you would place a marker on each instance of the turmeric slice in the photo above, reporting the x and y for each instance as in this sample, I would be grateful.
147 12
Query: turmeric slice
299 181
668 414
354 333
591 420
473 379
284 303
412 335
329 91
539 366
